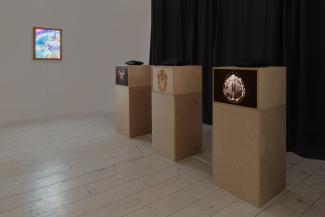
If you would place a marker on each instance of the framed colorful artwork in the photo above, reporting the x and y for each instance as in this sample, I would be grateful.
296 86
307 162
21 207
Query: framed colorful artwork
47 43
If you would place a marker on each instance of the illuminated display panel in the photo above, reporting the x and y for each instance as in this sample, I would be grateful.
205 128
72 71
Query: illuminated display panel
237 87
47 44
122 77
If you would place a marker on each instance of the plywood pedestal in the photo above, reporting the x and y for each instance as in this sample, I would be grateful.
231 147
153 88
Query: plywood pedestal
133 102
177 112
249 144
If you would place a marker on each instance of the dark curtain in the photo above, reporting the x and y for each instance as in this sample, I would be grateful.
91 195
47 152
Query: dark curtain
223 32
215 33
185 30
305 52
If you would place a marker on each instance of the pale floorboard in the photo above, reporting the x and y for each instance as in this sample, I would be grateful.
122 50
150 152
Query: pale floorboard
79 166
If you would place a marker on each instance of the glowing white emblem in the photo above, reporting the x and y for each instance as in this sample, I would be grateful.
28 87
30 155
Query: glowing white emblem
234 88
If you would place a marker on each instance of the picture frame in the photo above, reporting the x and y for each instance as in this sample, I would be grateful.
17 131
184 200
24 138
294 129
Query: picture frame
245 96
47 43
122 75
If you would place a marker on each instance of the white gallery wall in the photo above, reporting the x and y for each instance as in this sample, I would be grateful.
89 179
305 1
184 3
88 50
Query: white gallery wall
97 35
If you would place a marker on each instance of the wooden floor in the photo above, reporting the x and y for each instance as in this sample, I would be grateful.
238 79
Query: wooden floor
79 166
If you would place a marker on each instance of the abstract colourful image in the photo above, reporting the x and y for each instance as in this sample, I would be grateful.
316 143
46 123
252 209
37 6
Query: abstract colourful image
47 43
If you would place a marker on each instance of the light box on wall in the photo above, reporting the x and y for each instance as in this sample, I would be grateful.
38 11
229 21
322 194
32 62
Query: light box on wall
47 43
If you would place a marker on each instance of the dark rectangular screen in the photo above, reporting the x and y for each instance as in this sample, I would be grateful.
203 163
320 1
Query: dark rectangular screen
122 77
236 86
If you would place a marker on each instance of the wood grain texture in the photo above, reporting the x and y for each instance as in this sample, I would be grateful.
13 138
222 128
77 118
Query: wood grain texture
79 166
122 120
188 125
181 79
249 151
177 112
140 111
187 80
177 125
133 103
236 150
272 84
249 145
139 76
163 124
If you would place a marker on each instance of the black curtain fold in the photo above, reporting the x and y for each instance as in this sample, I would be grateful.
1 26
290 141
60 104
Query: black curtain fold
281 32
305 61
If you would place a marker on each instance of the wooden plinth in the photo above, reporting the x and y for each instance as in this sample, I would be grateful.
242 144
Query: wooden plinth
249 144
177 111
133 102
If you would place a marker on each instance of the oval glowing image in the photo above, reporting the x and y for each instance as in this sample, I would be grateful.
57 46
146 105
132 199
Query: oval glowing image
162 81
234 88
